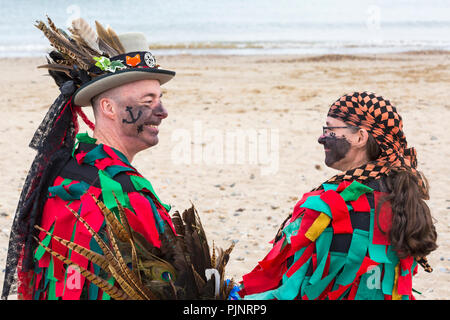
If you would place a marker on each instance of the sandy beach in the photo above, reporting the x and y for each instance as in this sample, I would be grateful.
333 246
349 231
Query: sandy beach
280 100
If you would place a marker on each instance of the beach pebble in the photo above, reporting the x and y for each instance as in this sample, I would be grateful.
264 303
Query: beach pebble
252 176
236 214
232 185
240 258
433 138
240 209
274 207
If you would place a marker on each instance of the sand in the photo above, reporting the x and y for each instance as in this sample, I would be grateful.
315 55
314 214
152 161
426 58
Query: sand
280 100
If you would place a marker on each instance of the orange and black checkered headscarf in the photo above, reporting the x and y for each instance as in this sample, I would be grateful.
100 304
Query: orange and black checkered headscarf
375 114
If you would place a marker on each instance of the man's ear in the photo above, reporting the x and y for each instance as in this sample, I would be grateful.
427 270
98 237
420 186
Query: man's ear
106 107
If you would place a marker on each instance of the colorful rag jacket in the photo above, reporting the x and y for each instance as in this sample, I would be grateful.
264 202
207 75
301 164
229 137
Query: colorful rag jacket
334 246
100 170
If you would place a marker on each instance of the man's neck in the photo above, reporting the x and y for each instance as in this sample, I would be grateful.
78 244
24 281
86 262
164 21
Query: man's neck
112 140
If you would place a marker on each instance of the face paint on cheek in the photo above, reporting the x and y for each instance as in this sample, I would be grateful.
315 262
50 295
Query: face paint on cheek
132 117
337 148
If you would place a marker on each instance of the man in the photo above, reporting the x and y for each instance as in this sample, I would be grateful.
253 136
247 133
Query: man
119 78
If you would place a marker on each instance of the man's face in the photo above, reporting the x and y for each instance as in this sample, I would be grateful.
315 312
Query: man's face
139 113
337 143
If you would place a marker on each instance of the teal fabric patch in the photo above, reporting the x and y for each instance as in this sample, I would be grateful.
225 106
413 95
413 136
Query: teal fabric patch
330 186
95 154
337 261
317 204
323 243
355 256
377 252
292 229
387 284
115 170
370 286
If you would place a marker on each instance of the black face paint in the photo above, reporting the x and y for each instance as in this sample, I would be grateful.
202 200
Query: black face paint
133 119
140 128
337 148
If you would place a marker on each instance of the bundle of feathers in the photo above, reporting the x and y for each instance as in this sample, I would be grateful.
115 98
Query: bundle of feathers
72 58
182 268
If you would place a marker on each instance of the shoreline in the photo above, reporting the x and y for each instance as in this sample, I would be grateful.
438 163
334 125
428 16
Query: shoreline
288 93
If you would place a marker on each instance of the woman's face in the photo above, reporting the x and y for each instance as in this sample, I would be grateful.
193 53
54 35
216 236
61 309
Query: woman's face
338 140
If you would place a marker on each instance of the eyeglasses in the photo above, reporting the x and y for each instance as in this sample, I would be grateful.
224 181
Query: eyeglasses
327 130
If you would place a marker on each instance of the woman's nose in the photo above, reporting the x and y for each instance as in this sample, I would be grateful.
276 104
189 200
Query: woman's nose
321 139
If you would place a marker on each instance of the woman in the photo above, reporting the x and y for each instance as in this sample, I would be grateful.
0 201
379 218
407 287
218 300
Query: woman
361 234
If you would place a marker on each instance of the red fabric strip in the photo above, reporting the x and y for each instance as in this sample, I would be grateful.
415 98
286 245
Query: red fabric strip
297 210
91 213
384 218
144 216
405 282
301 261
343 185
361 204
341 218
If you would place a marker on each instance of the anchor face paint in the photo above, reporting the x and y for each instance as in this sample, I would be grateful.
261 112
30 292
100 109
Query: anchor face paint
336 148
142 121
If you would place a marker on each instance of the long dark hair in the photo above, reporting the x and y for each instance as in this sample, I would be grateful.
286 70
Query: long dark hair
412 232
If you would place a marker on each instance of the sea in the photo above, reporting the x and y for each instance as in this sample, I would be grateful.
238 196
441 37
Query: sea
241 27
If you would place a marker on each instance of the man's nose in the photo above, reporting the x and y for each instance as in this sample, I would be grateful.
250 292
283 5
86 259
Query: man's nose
160 111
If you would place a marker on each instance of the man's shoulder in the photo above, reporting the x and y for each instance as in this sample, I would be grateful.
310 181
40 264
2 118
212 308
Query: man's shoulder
90 174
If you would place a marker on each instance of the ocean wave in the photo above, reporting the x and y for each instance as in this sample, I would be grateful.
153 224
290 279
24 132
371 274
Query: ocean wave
256 47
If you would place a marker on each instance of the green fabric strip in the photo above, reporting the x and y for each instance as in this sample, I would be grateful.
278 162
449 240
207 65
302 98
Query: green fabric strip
354 191
72 238
82 137
40 250
355 256
106 296
317 204
52 281
142 183
109 186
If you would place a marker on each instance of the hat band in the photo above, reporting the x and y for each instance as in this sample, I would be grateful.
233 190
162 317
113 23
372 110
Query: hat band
130 60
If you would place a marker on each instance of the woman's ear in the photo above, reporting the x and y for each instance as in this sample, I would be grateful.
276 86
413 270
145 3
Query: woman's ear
362 137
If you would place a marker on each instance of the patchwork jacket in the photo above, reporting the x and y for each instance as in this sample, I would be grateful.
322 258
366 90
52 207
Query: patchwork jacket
104 172
334 246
